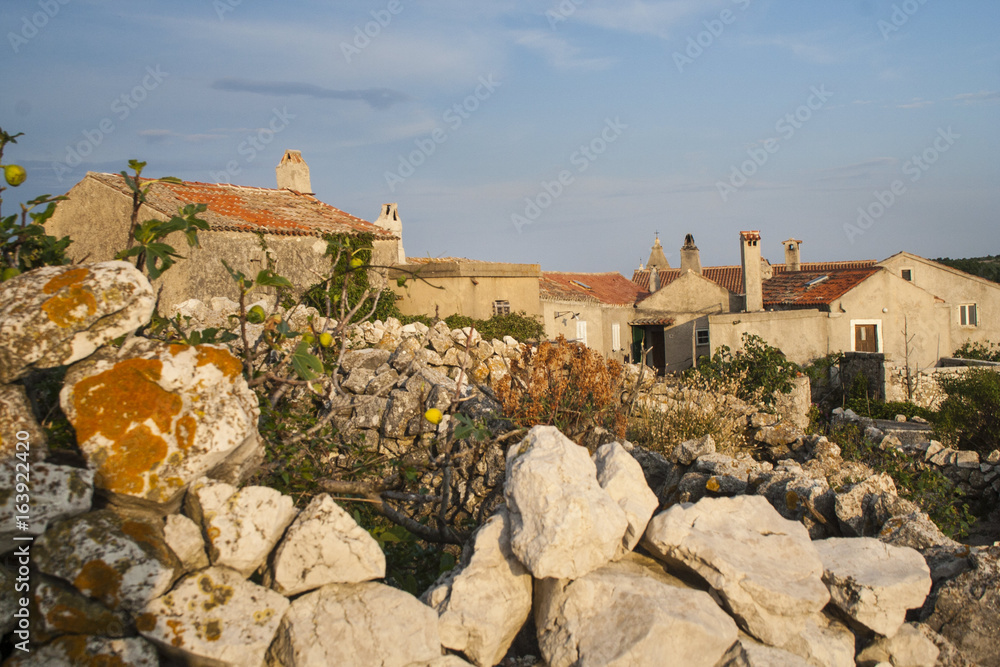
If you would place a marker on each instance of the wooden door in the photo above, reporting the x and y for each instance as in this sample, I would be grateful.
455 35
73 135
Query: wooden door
865 339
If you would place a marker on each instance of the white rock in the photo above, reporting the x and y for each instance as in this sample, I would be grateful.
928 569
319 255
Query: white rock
41 493
763 566
324 545
124 563
184 536
909 647
21 437
872 582
152 417
621 476
749 653
825 642
214 617
356 625
242 526
563 524
483 604
56 315
77 650
624 614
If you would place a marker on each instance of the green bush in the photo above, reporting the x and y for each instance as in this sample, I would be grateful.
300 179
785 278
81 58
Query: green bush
969 417
982 351
519 326
860 399
763 370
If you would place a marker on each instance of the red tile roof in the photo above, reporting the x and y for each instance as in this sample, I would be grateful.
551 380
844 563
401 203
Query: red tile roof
610 288
731 277
813 288
248 209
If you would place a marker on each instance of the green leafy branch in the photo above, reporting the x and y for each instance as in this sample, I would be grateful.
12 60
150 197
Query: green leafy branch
152 251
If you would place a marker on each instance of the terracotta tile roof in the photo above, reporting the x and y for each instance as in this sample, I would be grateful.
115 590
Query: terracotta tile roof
652 321
248 209
813 288
610 288
731 277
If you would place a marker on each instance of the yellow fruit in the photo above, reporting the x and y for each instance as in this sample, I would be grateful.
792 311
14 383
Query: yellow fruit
325 339
15 174
357 262
256 315
434 416
308 338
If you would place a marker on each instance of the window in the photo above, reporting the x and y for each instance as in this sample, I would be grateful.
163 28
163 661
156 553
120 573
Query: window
616 337
968 316
906 274
501 307
701 337
867 335
581 331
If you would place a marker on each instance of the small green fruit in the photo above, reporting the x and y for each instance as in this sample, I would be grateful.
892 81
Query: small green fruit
256 315
357 262
325 339
9 273
14 174
434 416
308 338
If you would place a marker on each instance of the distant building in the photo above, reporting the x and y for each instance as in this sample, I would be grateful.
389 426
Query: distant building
291 219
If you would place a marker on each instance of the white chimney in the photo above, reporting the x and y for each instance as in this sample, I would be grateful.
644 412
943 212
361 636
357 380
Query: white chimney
690 257
792 258
293 173
389 220
750 259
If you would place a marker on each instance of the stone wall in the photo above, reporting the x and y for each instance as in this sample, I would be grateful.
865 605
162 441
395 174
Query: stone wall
924 383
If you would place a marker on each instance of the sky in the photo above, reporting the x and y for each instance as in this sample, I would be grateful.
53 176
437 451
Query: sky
566 133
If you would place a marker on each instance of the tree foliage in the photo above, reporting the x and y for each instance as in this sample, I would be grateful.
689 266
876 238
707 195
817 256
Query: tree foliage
763 368
969 417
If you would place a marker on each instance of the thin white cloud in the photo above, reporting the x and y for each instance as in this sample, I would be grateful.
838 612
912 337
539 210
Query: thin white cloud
648 18
558 52
915 103
982 97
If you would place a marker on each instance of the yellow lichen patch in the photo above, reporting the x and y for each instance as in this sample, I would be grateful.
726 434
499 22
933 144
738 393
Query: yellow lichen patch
184 432
101 581
712 484
111 402
211 631
791 500
217 595
138 452
177 628
71 277
74 647
71 307
262 616
145 622
212 532
221 359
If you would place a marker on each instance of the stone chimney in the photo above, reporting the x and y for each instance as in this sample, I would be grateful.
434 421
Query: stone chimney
293 173
654 280
792 259
657 260
690 257
389 220
750 259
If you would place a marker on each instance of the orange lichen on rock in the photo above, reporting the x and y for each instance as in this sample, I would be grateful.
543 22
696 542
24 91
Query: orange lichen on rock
221 359
71 277
184 432
64 309
217 595
138 452
75 649
145 622
177 628
101 581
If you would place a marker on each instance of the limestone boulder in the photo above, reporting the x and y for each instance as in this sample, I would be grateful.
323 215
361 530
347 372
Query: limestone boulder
909 647
121 562
403 406
824 642
63 610
324 545
799 496
361 625
563 524
369 359
686 452
57 315
763 566
914 530
749 653
214 617
18 425
79 650
483 603
872 582
185 539
621 476
865 506
33 495
152 417
966 610
242 526
628 614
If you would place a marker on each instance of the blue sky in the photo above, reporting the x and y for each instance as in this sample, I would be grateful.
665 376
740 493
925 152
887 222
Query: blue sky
563 133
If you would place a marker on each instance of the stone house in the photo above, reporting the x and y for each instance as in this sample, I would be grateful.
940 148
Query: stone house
288 218
808 310
595 309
